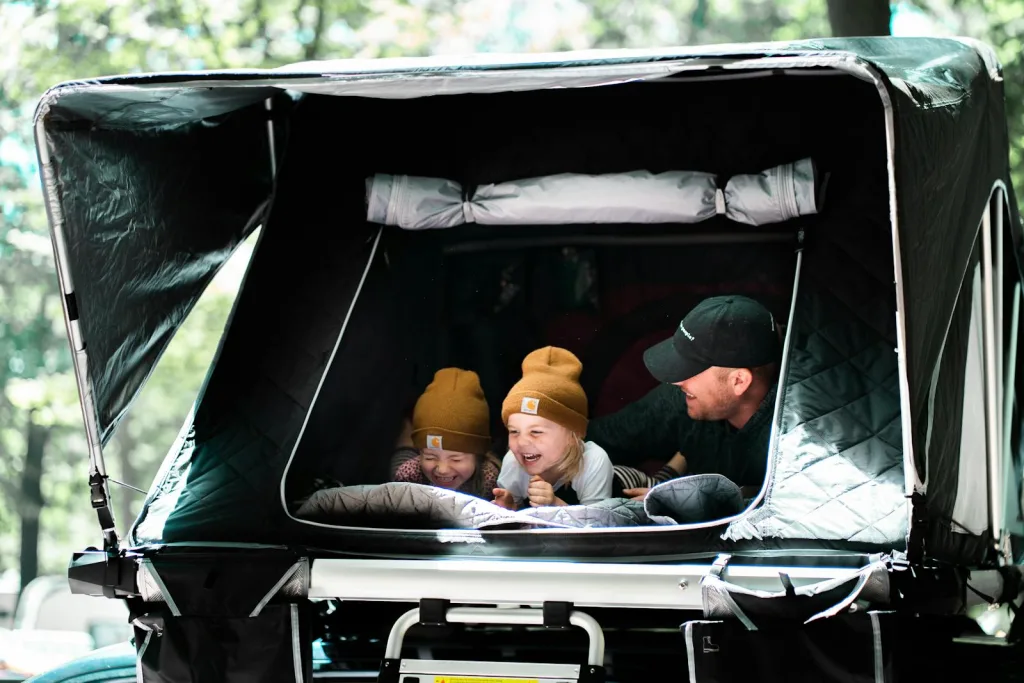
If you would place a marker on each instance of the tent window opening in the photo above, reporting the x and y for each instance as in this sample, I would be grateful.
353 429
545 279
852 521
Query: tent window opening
484 305
477 276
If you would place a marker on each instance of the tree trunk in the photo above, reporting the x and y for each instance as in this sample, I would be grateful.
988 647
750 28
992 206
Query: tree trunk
31 499
851 18
313 47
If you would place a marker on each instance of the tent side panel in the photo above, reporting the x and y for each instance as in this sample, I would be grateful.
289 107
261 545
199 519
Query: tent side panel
951 147
286 322
149 217
838 473
955 448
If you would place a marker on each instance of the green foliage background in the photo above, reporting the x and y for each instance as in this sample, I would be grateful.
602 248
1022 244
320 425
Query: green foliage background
49 41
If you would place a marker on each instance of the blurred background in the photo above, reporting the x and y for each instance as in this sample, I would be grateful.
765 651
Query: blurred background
44 508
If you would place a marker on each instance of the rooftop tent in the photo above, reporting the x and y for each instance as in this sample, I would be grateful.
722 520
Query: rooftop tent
902 313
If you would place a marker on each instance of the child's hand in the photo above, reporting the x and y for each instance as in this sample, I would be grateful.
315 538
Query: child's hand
504 499
540 492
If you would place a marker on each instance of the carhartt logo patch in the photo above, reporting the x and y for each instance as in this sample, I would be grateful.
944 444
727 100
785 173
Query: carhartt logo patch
685 332
434 441
530 405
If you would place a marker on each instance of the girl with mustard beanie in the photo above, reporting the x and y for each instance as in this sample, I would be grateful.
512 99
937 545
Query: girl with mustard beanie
449 442
548 462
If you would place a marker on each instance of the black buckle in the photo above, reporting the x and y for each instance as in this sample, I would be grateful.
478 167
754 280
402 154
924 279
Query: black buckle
101 504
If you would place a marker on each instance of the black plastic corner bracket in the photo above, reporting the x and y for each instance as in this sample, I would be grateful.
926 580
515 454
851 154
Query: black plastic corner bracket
556 614
101 573
434 612
388 671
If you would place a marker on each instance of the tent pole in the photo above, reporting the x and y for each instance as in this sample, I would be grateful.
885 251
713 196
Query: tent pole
269 104
773 435
997 293
99 490
1008 395
991 379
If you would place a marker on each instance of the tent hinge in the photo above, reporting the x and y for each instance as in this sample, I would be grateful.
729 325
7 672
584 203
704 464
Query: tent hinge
99 496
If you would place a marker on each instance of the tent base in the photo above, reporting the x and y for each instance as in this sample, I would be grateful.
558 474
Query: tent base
274 646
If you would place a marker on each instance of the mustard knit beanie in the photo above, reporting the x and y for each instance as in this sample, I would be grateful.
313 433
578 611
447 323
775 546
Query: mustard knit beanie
550 388
452 414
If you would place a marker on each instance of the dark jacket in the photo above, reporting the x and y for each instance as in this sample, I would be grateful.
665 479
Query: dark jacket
657 426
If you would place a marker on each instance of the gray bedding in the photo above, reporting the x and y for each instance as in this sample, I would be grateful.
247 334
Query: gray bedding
687 500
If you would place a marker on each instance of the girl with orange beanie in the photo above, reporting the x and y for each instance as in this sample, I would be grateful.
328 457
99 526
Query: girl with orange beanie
449 442
548 462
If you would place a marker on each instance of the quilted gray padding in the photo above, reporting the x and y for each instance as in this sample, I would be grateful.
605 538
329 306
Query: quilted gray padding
839 472
693 500
701 498
423 506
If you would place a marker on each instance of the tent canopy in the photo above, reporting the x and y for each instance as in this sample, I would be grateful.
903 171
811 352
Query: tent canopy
152 180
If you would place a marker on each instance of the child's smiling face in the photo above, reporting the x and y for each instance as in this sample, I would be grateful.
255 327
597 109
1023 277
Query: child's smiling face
538 443
447 469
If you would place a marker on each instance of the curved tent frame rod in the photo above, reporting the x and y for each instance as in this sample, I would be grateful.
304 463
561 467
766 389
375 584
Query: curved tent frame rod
1007 408
992 317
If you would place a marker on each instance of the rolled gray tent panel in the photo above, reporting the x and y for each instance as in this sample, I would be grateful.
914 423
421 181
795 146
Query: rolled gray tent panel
773 196
414 202
640 197
634 197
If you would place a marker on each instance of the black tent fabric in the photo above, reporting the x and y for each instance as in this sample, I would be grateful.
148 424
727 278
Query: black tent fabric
935 105
848 648
148 218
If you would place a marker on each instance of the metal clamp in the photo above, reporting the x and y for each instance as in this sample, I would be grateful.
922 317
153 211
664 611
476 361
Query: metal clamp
520 616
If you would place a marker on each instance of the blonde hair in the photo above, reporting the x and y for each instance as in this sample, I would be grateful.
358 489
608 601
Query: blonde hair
572 461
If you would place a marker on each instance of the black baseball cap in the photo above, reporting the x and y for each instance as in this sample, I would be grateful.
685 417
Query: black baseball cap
726 331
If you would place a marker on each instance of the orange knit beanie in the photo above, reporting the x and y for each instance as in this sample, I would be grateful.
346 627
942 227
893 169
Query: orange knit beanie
452 414
550 388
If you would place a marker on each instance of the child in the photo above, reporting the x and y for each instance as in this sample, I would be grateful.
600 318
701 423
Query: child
449 440
548 462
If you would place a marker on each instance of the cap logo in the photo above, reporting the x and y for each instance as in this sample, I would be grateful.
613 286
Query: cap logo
686 332
530 405
434 441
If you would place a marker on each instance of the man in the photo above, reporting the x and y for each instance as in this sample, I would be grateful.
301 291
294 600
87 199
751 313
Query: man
713 411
